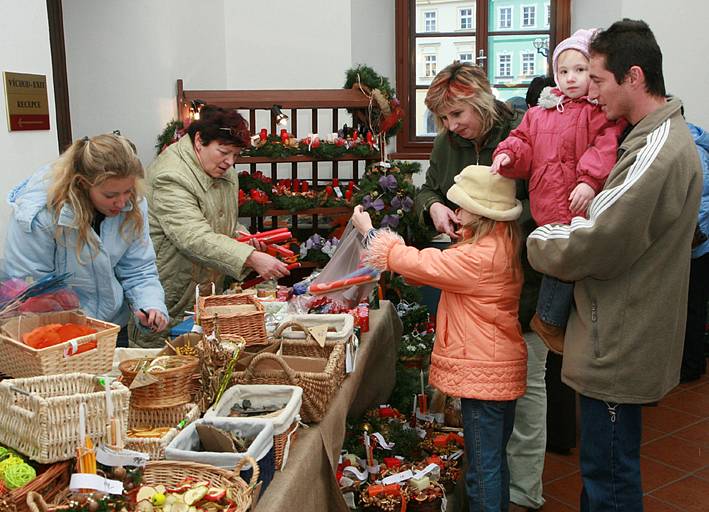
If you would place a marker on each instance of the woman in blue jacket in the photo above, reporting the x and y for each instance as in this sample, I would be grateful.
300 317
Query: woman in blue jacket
84 215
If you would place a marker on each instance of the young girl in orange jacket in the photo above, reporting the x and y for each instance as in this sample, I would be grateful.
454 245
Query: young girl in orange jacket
479 354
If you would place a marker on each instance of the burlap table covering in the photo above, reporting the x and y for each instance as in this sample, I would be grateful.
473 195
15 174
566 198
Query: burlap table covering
308 481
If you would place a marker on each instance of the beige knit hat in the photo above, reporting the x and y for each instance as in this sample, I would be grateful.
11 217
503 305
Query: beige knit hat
481 192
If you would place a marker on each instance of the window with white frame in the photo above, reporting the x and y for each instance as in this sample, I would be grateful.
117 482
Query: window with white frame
429 21
547 8
529 16
465 15
504 65
466 57
504 17
528 61
429 62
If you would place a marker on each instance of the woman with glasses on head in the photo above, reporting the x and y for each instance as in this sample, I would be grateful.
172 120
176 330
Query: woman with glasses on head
471 123
193 196
84 214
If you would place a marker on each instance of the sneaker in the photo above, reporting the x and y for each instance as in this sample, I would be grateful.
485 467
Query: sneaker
551 335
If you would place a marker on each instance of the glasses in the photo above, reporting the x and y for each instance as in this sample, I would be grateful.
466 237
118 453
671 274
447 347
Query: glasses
234 132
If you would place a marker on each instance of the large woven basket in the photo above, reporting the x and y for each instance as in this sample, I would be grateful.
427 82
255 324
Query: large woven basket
39 416
170 417
301 343
19 360
251 324
299 364
171 473
50 482
174 386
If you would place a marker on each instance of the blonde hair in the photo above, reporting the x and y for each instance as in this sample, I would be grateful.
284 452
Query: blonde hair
463 83
480 227
87 163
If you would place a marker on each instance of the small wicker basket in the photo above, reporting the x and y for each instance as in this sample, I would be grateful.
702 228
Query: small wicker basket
249 323
171 417
39 416
174 386
19 360
301 363
49 483
171 473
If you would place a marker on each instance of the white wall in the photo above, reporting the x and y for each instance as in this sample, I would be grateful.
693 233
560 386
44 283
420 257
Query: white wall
24 40
124 57
681 31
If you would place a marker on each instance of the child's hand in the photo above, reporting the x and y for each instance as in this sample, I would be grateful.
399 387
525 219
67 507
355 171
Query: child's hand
580 197
501 160
361 220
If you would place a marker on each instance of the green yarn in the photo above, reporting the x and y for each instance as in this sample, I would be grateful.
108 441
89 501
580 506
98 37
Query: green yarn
10 461
18 475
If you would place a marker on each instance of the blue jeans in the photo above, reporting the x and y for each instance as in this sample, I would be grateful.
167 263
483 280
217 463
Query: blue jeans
554 301
610 456
487 425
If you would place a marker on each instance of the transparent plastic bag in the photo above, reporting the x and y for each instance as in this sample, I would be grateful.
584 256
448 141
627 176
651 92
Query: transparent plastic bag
346 259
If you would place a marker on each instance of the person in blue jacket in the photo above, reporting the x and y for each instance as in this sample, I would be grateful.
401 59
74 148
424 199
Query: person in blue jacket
694 362
84 214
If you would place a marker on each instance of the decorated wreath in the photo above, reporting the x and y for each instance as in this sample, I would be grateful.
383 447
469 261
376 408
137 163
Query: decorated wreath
384 115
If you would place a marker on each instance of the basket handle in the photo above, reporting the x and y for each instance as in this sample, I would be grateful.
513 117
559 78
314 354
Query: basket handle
290 323
255 471
273 357
36 502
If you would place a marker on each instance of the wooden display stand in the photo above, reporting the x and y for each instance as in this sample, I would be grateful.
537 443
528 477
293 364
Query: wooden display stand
314 100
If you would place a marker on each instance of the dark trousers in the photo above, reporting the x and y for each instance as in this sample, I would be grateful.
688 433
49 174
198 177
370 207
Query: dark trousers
610 456
561 408
122 341
694 362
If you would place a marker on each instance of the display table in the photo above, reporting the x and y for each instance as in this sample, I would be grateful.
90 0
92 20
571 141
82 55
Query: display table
308 480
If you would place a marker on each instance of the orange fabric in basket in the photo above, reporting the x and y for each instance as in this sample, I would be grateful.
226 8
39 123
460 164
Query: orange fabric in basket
53 334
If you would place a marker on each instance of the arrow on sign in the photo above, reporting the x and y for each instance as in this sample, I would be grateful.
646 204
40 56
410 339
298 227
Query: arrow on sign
24 123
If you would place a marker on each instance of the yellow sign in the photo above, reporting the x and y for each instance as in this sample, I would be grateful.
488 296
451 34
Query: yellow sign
26 100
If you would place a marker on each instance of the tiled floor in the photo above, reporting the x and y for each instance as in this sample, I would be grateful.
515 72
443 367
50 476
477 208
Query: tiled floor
674 457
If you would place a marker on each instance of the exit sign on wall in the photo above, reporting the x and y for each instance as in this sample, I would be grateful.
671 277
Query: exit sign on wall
26 101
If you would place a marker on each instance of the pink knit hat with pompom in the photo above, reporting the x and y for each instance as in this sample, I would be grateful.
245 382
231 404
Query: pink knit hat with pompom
579 40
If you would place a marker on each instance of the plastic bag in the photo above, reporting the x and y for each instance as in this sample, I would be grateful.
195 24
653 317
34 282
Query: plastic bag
46 294
346 259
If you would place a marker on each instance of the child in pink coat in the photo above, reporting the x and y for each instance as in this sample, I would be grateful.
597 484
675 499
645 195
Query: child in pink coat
565 147
479 353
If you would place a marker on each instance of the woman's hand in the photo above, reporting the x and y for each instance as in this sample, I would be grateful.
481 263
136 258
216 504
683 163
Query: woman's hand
361 220
260 246
153 319
580 197
501 160
266 265
444 219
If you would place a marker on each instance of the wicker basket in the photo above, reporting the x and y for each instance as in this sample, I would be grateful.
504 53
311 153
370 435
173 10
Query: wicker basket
49 483
39 416
171 473
251 324
170 417
299 364
19 360
174 386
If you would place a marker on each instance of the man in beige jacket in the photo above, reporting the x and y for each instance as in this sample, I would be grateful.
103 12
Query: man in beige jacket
630 261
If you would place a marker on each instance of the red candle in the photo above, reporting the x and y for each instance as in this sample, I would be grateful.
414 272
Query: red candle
335 182
263 134
355 134
296 185
348 195
350 185
303 186
284 135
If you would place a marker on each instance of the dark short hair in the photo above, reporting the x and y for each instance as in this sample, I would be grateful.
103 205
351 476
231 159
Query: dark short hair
629 43
536 86
226 126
